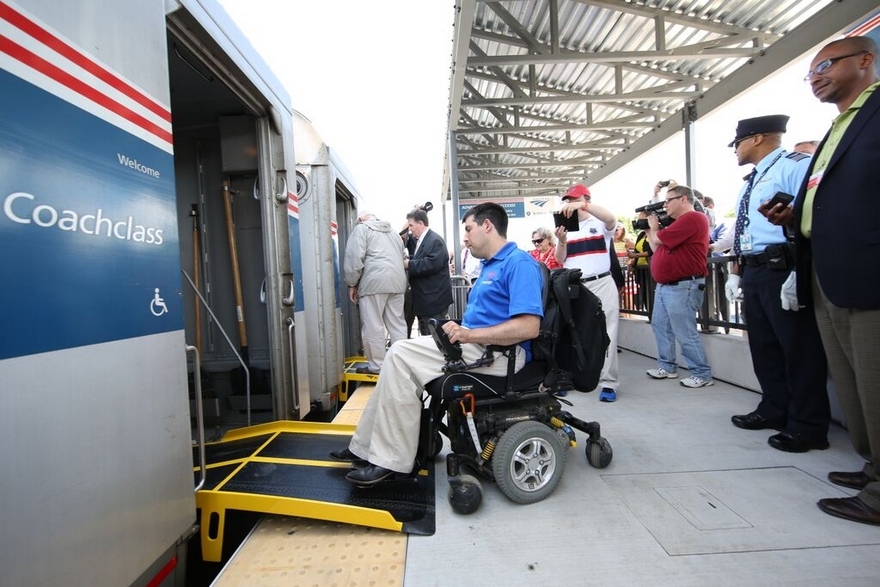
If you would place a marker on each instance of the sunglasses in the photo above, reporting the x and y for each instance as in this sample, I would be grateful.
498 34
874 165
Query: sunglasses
751 136
537 242
674 198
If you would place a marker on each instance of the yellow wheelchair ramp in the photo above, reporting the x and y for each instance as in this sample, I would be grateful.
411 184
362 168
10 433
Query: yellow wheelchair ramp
284 468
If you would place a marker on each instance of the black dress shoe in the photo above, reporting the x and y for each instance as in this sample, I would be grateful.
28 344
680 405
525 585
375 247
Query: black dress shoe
857 480
796 442
756 421
365 371
850 508
369 475
344 455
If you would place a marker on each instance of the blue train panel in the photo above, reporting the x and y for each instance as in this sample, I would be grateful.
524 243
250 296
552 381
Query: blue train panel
89 249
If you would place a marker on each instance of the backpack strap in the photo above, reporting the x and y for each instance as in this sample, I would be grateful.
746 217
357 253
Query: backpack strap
562 288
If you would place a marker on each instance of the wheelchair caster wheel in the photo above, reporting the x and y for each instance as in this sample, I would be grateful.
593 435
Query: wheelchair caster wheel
599 453
465 494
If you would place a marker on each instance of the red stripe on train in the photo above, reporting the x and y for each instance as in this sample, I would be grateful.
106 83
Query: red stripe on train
51 41
36 62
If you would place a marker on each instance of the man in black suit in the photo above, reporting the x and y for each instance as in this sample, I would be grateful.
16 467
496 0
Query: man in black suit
836 207
428 269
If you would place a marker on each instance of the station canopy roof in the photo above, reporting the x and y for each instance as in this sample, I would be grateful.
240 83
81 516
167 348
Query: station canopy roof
546 93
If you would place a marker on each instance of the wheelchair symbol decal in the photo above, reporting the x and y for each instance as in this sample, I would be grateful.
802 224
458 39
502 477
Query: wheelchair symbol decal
157 305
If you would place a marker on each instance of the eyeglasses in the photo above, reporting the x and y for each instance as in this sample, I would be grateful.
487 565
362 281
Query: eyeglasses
674 198
537 242
824 66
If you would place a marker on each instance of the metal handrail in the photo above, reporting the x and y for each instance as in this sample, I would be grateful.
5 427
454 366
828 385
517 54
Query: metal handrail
200 414
294 369
247 372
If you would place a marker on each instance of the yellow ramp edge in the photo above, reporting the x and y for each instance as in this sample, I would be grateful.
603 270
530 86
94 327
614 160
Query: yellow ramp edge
287 550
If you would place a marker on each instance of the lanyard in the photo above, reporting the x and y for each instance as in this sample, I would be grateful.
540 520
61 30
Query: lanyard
744 205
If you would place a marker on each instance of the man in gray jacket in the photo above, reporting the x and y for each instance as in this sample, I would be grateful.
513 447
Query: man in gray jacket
376 283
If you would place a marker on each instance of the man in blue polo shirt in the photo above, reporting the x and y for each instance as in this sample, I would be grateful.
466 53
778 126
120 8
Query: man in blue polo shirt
504 308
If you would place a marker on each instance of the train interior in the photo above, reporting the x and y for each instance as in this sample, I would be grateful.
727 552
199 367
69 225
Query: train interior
216 148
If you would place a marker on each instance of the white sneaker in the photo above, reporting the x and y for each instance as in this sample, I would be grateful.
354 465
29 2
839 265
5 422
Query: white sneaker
661 373
696 382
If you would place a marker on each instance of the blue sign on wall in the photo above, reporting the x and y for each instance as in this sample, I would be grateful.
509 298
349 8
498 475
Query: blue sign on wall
514 208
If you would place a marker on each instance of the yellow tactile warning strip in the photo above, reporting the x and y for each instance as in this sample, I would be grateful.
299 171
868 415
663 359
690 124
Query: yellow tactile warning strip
297 551
285 550
354 407
350 375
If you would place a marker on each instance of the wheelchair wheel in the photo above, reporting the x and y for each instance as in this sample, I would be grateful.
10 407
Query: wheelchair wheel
438 445
465 494
599 453
528 462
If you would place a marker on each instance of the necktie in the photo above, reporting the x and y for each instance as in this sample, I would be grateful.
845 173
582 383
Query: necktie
742 216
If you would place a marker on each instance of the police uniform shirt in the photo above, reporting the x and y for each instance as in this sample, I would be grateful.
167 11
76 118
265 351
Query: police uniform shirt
587 249
777 172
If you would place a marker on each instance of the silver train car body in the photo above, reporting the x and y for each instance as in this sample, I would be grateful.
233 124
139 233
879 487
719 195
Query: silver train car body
147 153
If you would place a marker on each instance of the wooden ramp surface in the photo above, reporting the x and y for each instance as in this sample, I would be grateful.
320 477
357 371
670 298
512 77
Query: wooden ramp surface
285 550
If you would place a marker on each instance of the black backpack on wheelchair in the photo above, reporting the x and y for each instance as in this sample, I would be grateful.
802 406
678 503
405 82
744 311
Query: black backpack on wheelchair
508 429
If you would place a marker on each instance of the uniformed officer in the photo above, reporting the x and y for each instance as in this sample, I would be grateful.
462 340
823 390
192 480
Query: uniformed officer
786 350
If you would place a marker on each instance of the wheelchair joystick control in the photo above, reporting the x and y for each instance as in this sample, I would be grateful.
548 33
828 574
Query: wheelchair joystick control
451 350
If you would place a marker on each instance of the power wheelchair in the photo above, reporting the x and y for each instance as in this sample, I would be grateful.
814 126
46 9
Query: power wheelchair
509 429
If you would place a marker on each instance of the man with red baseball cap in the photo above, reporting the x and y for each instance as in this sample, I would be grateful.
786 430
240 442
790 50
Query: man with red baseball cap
588 250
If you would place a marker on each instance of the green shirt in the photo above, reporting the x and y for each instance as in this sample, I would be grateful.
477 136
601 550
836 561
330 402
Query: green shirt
838 127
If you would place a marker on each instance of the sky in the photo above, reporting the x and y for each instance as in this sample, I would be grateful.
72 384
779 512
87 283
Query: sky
375 84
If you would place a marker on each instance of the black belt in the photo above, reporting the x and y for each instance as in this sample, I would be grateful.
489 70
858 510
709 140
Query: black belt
775 256
688 278
595 277
753 260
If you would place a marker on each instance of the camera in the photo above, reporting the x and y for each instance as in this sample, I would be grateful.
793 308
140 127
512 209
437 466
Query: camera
664 182
657 209
427 207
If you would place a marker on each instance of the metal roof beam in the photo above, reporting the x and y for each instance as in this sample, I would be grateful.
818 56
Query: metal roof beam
684 19
832 19
687 52
527 150
545 129
657 93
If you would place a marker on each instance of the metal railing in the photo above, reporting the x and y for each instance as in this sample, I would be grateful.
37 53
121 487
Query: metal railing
461 287
716 315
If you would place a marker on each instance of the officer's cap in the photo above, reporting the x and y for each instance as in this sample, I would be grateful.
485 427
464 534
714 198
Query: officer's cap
759 125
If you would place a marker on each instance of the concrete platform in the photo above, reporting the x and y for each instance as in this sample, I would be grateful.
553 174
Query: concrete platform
689 500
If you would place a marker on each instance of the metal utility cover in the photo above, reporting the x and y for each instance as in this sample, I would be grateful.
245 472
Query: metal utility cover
743 510
702 509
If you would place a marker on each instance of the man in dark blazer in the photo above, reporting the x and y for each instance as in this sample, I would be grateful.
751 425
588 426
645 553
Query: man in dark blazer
428 269
836 210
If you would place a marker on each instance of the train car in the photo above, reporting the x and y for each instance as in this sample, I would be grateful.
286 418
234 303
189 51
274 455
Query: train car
149 226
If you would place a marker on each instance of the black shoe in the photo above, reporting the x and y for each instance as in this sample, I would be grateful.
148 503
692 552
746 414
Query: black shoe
850 508
369 475
756 421
857 480
365 371
344 455
797 442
